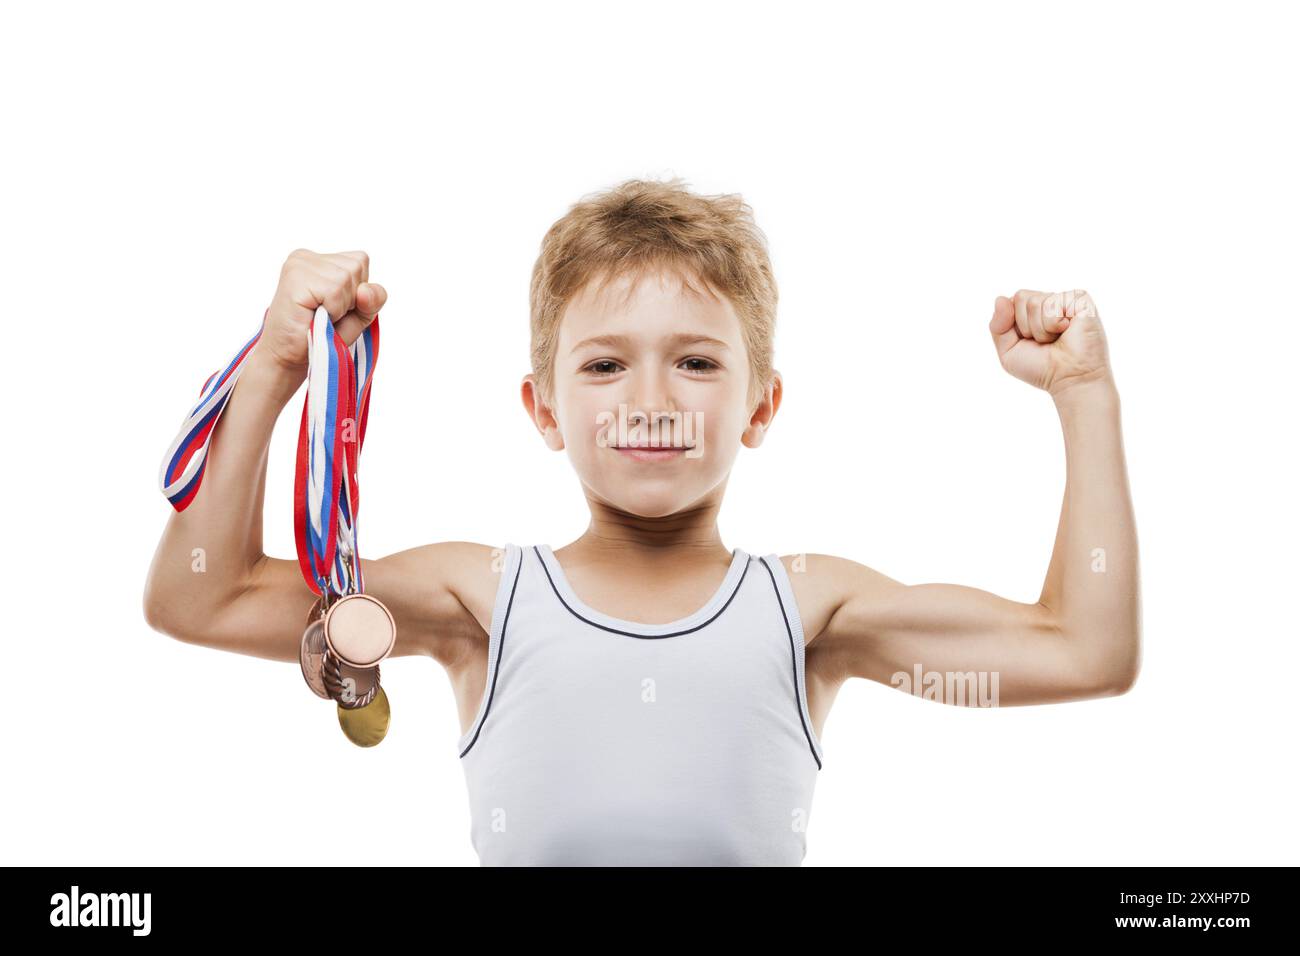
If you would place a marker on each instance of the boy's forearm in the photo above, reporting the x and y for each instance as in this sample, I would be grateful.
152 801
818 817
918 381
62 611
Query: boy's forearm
208 551
1092 580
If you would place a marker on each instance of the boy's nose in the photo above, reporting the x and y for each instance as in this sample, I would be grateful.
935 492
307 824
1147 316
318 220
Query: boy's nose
651 397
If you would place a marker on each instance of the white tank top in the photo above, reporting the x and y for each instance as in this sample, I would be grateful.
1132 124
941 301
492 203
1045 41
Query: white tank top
604 742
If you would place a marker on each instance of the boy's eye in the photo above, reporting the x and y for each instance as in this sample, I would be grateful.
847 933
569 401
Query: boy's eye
603 367
707 365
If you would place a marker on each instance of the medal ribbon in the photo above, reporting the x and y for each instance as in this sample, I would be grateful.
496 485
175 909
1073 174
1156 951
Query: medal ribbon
330 436
182 467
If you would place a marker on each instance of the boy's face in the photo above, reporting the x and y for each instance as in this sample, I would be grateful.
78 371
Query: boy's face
655 347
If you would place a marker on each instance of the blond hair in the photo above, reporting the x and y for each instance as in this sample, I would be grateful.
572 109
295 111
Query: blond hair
642 225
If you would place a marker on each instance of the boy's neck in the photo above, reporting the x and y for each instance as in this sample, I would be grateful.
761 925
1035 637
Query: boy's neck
615 532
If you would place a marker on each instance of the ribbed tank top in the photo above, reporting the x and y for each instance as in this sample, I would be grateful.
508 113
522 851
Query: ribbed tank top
604 742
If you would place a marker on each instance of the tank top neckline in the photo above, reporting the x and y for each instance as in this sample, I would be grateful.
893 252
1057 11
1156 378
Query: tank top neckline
685 625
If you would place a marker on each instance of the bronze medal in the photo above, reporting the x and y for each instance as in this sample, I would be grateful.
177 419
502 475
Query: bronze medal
366 726
313 649
359 630
349 686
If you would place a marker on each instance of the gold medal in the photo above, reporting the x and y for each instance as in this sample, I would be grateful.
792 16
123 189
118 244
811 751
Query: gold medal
366 726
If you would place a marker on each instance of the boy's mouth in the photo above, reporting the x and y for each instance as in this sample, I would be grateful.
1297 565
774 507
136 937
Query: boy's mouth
651 452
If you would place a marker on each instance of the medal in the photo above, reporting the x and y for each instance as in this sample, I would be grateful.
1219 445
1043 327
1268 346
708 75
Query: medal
359 630
312 653
350 686
366 726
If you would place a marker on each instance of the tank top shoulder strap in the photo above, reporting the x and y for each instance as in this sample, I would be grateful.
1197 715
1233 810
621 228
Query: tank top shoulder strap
792 622
509 565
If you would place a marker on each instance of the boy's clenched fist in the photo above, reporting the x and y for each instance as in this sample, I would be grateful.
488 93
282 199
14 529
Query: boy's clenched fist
340 282
1053 341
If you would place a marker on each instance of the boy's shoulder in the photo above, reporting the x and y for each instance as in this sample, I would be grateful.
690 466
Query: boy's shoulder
453 585
823 583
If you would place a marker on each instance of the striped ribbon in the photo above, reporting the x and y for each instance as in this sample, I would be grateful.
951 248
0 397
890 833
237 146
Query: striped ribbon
330 437
181 471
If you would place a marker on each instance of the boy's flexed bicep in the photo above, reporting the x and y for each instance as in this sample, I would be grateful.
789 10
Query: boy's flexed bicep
948 635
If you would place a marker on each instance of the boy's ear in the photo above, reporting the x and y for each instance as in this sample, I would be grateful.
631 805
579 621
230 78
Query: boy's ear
540 413
760 419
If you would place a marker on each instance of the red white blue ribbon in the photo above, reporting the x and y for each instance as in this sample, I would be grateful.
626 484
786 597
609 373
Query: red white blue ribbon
182 467
330 436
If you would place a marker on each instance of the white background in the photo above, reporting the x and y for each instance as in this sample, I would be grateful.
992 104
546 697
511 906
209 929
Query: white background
908 164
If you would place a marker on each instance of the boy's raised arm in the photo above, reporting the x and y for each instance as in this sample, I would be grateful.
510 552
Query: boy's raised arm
1083 636
210 582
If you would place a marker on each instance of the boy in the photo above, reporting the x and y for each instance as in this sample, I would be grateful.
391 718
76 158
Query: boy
645 695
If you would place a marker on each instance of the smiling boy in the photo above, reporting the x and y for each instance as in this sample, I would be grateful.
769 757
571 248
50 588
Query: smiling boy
645 694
